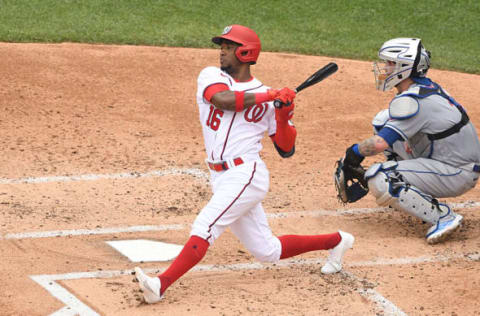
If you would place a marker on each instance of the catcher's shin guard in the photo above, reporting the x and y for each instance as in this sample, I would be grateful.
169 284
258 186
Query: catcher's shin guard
388 187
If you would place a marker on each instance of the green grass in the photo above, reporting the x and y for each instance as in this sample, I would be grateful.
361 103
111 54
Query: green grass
450 29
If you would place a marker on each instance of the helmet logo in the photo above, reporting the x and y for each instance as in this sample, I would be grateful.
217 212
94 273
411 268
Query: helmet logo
227 29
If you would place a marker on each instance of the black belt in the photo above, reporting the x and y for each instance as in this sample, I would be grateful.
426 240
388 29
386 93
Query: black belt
476 168
452 130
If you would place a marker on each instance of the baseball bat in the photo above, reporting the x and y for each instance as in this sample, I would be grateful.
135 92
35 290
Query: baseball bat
318 76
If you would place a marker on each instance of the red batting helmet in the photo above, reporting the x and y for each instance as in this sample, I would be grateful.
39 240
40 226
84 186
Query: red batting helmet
247 38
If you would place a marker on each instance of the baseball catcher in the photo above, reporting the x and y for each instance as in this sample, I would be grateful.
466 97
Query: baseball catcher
349 178
437 146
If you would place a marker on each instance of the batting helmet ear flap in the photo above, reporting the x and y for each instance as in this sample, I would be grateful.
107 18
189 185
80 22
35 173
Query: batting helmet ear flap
247 53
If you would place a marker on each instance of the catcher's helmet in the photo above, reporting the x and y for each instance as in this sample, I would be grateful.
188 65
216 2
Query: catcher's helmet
410 57
247 38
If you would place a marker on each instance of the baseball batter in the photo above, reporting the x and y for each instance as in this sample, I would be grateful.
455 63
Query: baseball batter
236 110
441 157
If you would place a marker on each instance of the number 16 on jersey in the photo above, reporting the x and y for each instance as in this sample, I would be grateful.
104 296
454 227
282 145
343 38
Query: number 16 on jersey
213 120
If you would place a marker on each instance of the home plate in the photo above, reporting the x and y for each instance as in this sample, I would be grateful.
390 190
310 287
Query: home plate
141 250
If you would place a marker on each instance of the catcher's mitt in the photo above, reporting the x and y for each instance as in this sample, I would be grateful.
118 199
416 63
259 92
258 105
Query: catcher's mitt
350 183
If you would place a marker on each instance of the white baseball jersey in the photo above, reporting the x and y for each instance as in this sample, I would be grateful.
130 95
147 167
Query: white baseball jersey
239 191
230 134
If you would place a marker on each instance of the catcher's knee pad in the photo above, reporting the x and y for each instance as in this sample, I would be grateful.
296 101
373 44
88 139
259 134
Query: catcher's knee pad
389 188
380 182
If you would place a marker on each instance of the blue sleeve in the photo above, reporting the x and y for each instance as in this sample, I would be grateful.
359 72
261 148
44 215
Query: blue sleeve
356 151
389 135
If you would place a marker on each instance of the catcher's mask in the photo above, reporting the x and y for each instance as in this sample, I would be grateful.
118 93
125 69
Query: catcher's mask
248 40
400 58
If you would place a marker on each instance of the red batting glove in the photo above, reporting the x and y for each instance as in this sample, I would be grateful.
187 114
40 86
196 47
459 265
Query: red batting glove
268 96
272 94
286 96
285 113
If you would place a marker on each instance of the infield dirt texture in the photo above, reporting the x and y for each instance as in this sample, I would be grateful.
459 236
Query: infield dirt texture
98 142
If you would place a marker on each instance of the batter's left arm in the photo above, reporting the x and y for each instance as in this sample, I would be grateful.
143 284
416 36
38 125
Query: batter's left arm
286 133
284 140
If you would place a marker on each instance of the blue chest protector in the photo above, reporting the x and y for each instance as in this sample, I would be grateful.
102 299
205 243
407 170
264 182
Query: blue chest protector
428 88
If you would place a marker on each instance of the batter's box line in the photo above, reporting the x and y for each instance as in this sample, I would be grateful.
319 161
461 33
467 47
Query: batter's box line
198 173
74 306
154 228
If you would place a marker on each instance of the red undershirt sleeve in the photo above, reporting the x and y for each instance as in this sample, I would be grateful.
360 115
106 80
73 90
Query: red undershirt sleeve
285 136
211 90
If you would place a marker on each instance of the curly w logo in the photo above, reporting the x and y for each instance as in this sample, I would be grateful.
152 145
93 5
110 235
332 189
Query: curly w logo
256 113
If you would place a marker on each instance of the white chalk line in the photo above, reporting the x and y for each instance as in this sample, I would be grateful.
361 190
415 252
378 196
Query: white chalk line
65 311
75 306
124 175
153 228
97 231
382 304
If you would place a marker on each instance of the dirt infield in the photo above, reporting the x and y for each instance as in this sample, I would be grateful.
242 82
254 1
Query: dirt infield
103 143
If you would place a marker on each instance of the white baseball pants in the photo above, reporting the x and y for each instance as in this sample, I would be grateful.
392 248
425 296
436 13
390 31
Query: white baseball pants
236 203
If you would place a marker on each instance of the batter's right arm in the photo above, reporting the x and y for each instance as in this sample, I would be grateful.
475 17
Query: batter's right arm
239 100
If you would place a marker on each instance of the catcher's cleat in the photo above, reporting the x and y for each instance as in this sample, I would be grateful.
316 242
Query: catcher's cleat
150 286
334 261
445 226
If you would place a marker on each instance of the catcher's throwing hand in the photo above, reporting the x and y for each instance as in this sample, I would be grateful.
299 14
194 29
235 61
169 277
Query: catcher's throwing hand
350 182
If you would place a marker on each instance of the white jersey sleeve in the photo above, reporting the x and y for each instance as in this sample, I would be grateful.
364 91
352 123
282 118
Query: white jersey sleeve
210 76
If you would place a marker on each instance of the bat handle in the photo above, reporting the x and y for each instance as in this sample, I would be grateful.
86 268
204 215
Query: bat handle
278 104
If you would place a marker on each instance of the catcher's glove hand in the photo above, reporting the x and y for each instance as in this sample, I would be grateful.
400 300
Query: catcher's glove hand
350 183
